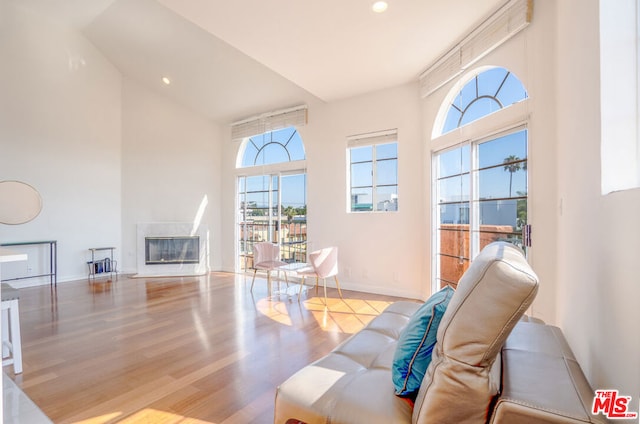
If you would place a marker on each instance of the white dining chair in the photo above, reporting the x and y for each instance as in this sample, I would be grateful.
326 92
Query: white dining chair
323 264
266 257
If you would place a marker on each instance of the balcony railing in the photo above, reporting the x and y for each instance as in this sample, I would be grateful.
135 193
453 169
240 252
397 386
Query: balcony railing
455 244
291 235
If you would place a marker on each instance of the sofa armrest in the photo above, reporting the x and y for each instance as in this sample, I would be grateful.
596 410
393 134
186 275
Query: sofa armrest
541 380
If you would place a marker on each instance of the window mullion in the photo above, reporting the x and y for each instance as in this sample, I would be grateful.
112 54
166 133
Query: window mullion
279 214
474 207
435 211
269 208
374 167
243 248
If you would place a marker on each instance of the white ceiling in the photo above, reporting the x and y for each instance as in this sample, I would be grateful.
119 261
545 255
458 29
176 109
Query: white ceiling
232 59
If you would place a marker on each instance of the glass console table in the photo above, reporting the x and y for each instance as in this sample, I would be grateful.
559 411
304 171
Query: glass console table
291 270
53 259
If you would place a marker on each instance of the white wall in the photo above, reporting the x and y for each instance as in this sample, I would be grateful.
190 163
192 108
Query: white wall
378 252
60 132
104 153
171 165
598 236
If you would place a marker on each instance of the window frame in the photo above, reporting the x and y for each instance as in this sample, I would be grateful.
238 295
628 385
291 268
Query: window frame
619 95
373 140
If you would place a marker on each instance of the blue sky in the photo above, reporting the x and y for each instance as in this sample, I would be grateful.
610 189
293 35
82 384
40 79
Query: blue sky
275 147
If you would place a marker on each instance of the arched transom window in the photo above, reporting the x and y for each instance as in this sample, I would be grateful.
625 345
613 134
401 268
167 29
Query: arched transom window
485 93
272 147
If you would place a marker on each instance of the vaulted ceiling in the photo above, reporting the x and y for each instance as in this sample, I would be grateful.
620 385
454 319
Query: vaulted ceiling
232 59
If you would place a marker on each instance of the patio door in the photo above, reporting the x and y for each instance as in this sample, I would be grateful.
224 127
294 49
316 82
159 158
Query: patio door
481 195
272 207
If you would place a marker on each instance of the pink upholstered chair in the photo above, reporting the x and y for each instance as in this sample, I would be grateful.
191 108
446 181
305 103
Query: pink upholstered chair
324 264
266 257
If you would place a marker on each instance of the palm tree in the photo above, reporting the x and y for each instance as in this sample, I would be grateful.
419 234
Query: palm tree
290 212
512 165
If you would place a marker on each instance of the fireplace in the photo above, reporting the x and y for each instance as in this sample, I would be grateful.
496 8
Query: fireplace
172 250
167 249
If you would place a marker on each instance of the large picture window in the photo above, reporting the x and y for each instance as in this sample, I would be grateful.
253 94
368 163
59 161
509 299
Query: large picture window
373 173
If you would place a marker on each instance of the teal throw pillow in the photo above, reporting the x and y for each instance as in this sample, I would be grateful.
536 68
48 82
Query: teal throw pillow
416 342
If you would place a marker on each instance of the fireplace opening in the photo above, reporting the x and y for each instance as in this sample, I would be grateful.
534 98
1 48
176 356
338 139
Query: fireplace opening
172 250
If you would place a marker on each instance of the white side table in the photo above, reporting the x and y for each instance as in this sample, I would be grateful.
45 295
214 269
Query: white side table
10 320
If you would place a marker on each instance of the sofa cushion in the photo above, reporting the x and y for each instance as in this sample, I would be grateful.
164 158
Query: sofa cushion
352 384
413 352
491 297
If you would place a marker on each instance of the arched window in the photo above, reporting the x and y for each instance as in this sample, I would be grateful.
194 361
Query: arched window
272 195
272 147
480 173
483 94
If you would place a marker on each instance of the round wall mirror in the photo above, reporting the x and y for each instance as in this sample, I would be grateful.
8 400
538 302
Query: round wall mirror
19 202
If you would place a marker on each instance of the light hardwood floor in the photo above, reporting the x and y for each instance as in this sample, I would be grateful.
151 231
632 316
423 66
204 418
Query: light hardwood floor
174 350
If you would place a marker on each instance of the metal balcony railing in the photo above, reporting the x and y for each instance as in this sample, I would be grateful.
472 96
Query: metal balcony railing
290 235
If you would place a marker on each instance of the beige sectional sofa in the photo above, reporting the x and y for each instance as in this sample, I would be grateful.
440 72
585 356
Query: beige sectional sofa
490 364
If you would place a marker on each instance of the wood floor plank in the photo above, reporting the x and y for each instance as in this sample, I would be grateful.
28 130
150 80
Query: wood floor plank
175 350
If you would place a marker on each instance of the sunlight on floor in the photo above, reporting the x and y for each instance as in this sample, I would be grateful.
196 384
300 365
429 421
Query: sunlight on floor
346 315
149 415
146 416
277 311
100 419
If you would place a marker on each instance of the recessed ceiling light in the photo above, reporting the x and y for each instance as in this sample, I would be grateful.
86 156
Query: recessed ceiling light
379 6
166 80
